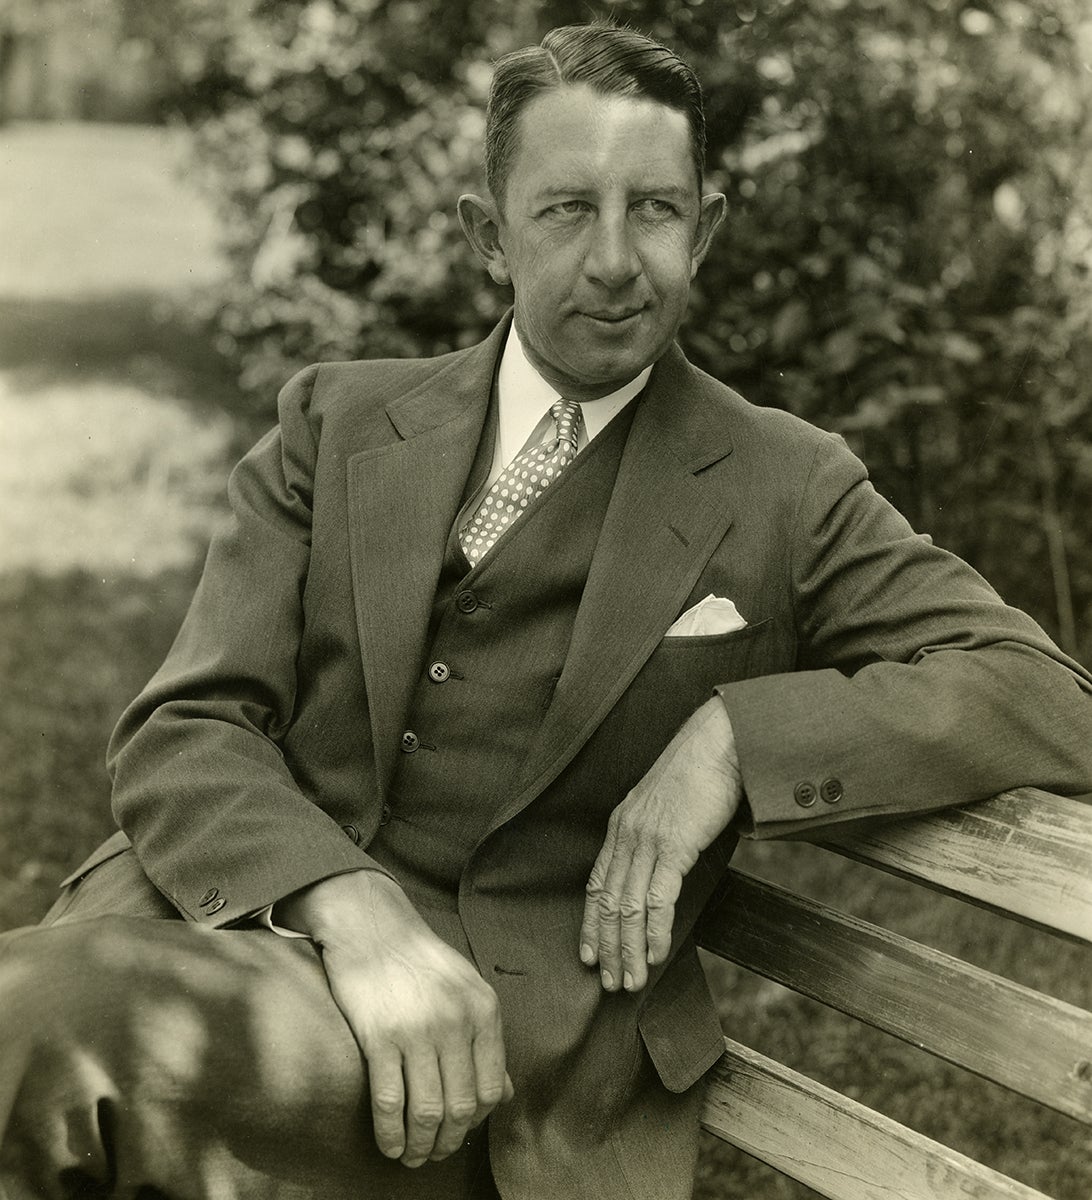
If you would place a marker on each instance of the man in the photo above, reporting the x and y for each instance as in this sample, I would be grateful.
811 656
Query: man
451 704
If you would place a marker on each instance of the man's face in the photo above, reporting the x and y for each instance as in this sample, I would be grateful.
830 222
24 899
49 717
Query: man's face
600 232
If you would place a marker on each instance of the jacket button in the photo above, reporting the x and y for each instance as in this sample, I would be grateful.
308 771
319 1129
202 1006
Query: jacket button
410 742
209 896
385 815
353 832
466 602
831 790
805 794
216 906
439 672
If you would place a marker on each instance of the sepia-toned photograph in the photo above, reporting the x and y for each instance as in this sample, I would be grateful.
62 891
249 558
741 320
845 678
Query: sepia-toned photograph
545 599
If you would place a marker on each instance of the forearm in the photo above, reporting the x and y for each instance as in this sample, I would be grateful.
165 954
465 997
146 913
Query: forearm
897 738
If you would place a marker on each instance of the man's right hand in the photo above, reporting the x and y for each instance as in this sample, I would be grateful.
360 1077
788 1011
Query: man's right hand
426 1022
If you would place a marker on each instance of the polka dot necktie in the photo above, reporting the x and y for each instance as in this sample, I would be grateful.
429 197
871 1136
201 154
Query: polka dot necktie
525 478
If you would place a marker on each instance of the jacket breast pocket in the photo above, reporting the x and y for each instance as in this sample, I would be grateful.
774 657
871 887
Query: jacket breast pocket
684 670
676 679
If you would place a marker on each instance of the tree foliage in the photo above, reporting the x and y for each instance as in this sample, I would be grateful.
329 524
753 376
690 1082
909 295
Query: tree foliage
907 257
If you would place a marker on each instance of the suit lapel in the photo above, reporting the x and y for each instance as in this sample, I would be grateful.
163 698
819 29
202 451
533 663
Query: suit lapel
663 523
403 499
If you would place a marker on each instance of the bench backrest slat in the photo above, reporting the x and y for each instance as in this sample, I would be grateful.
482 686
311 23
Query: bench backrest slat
836 1146
942 1004
1024 853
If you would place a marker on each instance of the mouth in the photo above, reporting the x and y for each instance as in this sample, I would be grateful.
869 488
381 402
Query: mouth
614 316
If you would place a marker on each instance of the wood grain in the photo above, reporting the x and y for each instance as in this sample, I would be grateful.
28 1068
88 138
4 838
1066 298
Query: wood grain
1013 1035
1026 853
831 1143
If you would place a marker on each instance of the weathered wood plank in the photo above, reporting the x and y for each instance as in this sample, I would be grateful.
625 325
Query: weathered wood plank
1013 1035
1026 853
840 1148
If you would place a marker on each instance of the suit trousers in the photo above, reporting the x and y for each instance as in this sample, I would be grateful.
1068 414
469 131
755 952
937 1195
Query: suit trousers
146 1057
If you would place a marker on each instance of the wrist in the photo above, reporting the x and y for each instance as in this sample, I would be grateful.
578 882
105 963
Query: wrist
335 906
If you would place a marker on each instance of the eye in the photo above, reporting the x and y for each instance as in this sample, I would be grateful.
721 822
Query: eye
653 206
567 208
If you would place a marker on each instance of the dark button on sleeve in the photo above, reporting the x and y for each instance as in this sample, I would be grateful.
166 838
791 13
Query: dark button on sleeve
805 794
466 602
410 742
831 790
439 672
216 906
209 896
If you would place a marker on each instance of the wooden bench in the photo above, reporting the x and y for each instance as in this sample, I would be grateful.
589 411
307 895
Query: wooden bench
1025 854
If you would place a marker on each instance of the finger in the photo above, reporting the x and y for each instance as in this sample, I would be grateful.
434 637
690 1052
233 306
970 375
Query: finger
589 927
663 891
633 919
388 1101
610 912
424 1105
457 1076
493 1085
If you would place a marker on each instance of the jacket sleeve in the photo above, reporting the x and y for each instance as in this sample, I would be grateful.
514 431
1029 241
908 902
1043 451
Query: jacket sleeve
216 819
918 687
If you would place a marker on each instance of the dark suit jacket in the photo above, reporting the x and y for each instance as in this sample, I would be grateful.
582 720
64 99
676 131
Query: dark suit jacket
873 663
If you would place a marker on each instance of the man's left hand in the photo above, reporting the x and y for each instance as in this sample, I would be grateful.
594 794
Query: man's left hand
653 839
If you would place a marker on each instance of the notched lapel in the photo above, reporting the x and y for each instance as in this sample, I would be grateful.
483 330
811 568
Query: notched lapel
403 498
666 516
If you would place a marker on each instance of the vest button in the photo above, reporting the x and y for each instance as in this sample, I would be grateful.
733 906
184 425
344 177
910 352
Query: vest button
466 602
352 832
439 672
385 815
410 742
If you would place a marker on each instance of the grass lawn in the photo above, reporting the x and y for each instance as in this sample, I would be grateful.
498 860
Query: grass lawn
117 434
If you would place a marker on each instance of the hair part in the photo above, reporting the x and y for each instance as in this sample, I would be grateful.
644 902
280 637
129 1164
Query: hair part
612 60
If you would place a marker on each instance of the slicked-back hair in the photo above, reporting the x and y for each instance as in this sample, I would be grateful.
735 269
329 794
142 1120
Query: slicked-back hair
607 58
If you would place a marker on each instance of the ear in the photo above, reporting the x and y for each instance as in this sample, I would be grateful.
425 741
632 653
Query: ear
481 222
714 207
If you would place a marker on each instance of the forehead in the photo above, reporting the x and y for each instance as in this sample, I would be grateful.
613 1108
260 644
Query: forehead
576 135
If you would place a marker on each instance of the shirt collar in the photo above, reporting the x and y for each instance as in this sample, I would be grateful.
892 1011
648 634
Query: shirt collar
523 397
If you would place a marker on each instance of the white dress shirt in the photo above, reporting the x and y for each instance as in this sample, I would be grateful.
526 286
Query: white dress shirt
524 400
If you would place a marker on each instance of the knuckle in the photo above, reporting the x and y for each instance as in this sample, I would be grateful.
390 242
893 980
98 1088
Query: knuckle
631 909
608 906
426 1114
490 1095
387 1103
461 1110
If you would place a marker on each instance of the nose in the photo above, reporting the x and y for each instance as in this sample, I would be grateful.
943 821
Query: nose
611 257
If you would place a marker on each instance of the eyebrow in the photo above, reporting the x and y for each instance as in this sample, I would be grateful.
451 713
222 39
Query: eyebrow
557 191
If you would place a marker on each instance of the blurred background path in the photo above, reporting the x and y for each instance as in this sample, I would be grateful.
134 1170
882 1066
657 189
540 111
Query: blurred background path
114 446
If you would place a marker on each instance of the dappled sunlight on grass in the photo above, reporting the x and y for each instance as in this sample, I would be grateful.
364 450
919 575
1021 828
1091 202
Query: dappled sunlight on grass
106 478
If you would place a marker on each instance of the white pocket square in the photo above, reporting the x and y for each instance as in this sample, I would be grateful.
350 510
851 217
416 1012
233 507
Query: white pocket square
714 614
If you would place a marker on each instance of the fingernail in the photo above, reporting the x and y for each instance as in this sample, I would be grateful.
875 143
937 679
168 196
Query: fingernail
651 958
587 954
627 982
608 980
